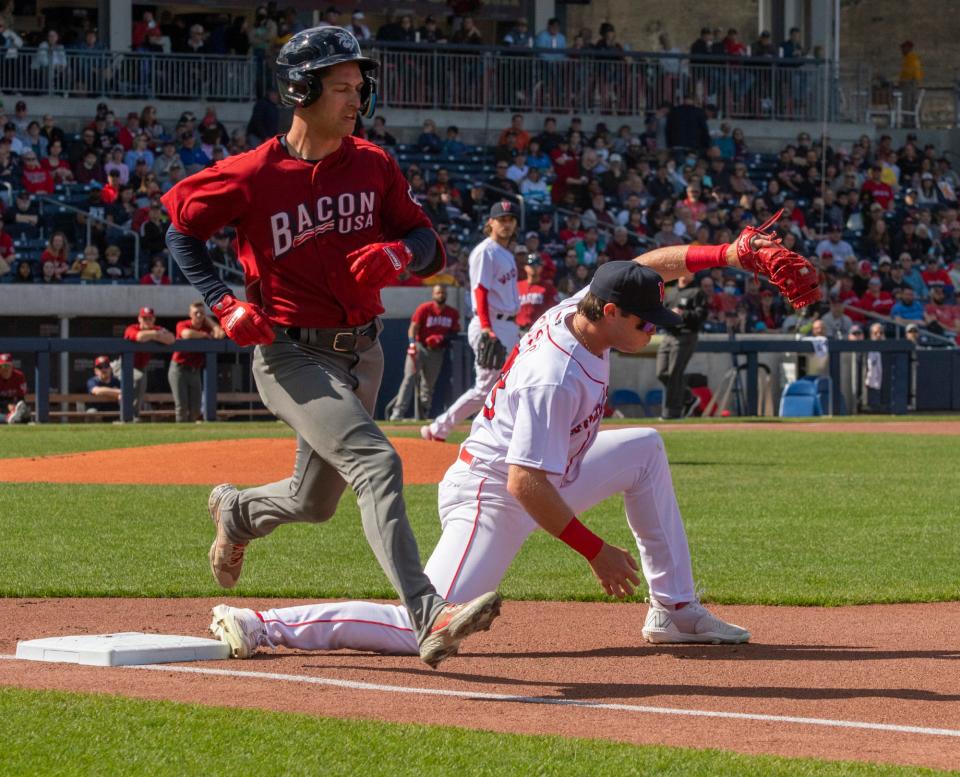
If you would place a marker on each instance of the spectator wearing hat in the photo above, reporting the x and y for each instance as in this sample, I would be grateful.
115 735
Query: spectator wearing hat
875 299
116 163
912 276
10 135
13 392
861 278
877 189
536 294
103 387
145 330
834 244
435 209
161 164
430 32
358 28
534 189
909 241
23 219
191 154
131 129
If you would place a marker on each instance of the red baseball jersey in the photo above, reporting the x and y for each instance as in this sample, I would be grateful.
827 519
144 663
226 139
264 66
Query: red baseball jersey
535 300
140 358
190 359
435 319
14 388
297 221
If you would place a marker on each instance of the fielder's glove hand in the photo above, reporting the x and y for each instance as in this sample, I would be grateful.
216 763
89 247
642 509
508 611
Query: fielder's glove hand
491 353
796 278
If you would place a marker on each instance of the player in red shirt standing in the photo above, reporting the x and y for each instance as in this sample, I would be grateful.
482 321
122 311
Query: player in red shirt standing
13 392
146 330
536 295
186 369
324 221
431 327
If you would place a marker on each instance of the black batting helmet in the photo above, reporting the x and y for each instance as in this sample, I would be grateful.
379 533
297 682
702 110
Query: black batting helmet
307 53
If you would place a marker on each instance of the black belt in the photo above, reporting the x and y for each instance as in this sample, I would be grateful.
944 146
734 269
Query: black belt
505 317
340 340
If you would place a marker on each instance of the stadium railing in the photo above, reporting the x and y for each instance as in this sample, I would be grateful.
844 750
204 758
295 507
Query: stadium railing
592 82
134 74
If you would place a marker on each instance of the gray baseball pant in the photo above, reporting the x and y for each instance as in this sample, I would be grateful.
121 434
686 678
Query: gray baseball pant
187 387
427 367
328 397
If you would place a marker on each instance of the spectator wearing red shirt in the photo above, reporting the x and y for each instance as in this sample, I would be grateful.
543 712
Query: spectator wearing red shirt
878 190
875 299
145 330
536 294
56 165
936 275
13 392
566 170
157 275
35 179
130 131
7 252
186 369
56 254
572 230
432 326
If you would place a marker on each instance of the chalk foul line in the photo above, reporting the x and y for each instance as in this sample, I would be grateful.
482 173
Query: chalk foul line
504 697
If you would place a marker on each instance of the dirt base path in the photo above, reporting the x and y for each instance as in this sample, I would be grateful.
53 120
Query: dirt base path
826 677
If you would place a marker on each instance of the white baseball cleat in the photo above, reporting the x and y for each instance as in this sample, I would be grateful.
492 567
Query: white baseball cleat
691 623
427 434
455 623
239 628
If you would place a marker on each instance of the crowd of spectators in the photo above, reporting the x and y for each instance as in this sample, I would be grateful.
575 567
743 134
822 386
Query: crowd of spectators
869 217
881 223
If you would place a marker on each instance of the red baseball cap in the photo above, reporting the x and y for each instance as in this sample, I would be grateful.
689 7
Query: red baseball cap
147 311
6 358
101 361
865 266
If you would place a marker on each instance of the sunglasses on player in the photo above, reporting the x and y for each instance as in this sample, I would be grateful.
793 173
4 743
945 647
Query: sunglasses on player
646 327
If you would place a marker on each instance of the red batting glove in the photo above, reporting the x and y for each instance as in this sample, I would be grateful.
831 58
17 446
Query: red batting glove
243 322
379 264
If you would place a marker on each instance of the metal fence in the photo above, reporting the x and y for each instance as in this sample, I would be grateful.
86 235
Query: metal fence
592 83
137 74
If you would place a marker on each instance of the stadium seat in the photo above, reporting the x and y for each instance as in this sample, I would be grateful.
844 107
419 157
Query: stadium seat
800 400
626 398
653 400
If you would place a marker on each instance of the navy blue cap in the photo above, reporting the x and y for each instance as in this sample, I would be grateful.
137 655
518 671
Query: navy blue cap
503 208
635 289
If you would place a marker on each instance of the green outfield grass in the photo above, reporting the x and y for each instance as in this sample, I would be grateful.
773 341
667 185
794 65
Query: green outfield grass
108 735
773 517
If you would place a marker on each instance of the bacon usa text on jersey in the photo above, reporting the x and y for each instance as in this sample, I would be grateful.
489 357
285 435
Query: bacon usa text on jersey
351 212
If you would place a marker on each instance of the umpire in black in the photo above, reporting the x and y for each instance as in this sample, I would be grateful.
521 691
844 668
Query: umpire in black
679 343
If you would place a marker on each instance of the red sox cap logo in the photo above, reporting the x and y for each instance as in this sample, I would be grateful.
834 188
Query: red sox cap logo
506 206
661 292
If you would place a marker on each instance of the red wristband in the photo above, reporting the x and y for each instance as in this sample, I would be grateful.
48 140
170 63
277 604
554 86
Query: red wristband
704 257
581 539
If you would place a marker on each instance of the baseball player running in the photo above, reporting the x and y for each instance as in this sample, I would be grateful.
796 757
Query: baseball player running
324 221
493 289
535 458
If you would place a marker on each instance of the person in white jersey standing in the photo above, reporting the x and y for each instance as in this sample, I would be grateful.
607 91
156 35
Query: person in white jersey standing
496 300
536 458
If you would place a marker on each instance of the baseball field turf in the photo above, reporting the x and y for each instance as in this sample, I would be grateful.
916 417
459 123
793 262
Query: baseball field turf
773 517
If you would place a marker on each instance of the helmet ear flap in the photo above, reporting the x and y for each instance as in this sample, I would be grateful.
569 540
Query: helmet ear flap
368 96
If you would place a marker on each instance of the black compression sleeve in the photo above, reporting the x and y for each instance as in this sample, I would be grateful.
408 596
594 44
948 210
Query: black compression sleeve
191 254
427 260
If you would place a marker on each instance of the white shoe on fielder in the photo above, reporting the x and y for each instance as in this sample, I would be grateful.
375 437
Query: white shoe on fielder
691 623
239 628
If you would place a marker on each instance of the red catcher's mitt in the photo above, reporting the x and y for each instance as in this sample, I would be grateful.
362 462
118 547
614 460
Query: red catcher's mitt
791 273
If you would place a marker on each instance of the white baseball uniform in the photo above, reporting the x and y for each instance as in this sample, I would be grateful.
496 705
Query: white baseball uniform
544 413
493 267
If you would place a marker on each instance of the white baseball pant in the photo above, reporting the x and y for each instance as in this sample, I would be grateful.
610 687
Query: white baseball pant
484 528
471 400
